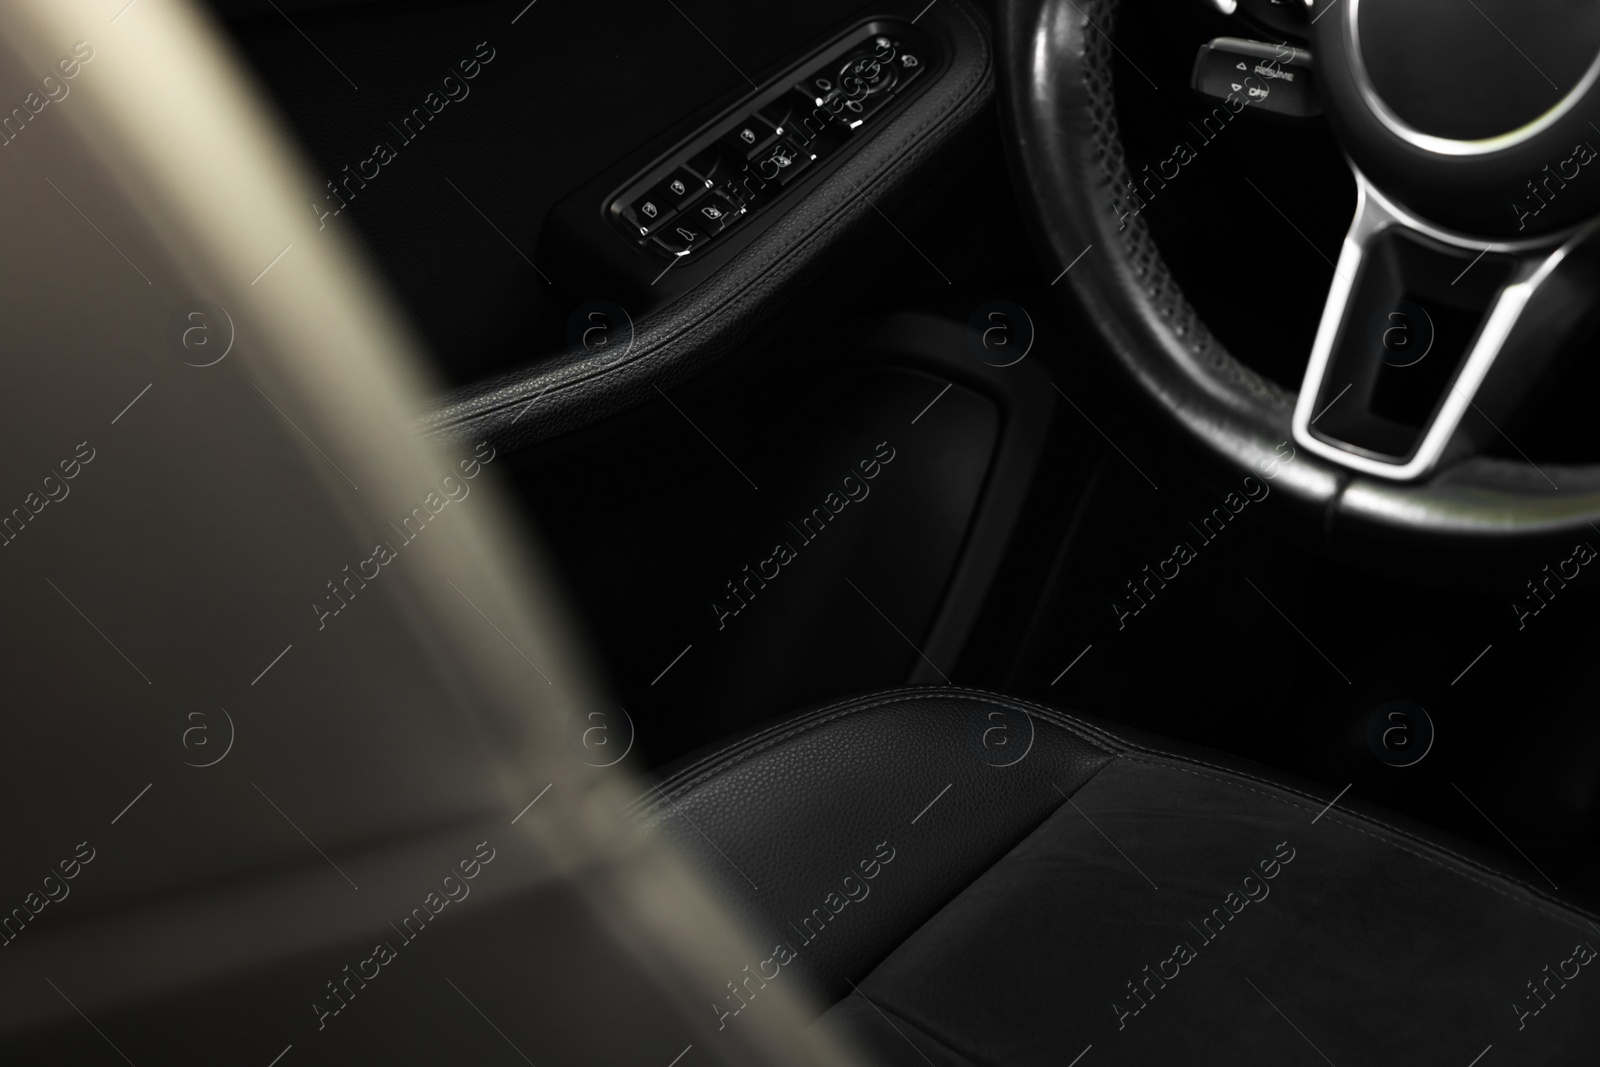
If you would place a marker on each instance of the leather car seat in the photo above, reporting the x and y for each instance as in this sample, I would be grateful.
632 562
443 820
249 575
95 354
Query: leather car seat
971 879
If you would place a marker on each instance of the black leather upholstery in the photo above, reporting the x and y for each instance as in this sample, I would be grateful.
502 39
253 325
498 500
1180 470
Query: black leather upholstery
997 901
1069 164
1057 61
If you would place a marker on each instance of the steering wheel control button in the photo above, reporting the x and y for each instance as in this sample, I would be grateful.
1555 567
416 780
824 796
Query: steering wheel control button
1273 79
1400 733
1000 333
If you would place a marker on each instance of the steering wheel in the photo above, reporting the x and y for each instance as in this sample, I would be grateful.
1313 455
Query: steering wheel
1474 219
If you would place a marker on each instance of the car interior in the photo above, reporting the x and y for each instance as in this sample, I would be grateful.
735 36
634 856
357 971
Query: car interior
862 532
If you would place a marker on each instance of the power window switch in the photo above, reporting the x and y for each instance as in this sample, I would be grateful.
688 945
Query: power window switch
717 212
750 136
648 213
783 162
680 188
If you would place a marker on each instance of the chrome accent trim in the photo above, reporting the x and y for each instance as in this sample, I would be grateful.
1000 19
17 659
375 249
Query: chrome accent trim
1374 214
1446 146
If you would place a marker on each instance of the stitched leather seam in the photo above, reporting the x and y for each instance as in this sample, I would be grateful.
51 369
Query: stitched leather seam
926 1031
1141 253
1464 866
767 273
1418 846
776 253
682 782
807 721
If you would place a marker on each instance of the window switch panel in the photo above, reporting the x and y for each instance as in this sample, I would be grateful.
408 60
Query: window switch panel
738 167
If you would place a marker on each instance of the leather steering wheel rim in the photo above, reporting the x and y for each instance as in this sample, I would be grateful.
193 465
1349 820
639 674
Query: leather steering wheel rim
1058 108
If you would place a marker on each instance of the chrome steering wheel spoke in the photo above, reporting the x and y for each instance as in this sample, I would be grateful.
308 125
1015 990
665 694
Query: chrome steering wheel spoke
1429 340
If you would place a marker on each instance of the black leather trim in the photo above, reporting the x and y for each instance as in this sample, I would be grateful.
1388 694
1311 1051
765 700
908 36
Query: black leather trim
708 322
888 1037
1059 113
780 817
777 818
1056 61
1370 956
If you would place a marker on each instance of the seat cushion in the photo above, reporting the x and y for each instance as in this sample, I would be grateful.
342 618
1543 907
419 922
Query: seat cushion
970 879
